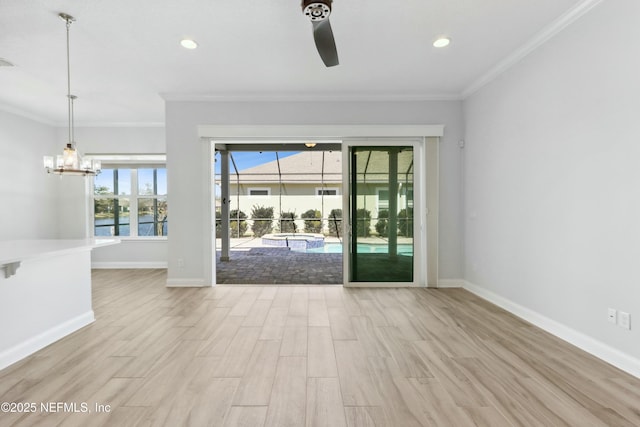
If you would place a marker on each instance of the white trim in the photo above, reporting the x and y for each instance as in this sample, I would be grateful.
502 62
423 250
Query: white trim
308 97
597 348
318 131
143 239
186 283
450 283
117 125
534 43
118 159
38 342
128 265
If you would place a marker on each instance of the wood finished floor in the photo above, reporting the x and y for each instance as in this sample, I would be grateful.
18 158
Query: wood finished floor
312 356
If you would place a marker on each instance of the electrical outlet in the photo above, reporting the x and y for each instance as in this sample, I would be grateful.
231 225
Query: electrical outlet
180 263
611 315
624 320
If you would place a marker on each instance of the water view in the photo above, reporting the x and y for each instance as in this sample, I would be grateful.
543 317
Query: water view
104 227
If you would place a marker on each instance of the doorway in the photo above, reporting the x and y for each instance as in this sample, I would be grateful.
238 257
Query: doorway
381 245
285 213
422 138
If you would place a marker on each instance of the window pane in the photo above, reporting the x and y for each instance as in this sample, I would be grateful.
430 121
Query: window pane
124 182
145 182
111 217
152 217
103 183
161 189
148 185
383 198
104 217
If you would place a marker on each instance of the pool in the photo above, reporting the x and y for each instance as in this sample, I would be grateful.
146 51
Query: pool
296 242
363 248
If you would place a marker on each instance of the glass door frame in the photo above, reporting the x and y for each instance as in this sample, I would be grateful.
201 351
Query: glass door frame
419 209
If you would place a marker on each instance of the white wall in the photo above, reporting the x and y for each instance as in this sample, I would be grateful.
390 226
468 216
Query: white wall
552 180
131 254
28 206
73 224
119 140
187 178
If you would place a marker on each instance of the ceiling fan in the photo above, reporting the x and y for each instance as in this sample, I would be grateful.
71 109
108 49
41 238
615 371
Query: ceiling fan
318 12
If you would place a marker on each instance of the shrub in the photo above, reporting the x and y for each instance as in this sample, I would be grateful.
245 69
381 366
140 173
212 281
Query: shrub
312 221
238 223
218 222
382 225
262 220
236 228
287 223
363 223
405 222
335 222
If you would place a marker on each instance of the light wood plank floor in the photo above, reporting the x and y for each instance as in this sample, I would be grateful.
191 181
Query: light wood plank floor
312 356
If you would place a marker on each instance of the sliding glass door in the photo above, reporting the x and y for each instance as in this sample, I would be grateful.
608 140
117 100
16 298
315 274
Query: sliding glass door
383 234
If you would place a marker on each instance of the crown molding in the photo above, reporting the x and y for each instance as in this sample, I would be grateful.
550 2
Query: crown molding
117 125
309 97
534 43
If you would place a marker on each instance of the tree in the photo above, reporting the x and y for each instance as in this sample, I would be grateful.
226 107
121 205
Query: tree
103 208
312 221
382 225
162 217
405 222
262 220
237 223
335 222
363 223
287 223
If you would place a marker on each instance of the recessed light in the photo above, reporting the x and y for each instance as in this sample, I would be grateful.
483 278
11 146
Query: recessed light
188 44
442 42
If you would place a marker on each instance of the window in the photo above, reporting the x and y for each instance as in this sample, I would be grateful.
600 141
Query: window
130 201
407 196
326 191
383 198
259 191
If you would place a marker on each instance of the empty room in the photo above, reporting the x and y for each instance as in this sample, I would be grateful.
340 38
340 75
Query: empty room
314 213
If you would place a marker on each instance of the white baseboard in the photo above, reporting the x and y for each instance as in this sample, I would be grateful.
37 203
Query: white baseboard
450 283
186 283
128 265
30 346
592 346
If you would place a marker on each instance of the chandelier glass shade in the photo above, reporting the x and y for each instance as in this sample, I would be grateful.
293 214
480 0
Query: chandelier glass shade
70 162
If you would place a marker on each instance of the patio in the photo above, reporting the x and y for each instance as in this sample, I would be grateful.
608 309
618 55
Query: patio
253 263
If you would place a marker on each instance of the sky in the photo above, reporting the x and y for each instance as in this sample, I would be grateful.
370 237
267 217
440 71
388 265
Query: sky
145 180
248 159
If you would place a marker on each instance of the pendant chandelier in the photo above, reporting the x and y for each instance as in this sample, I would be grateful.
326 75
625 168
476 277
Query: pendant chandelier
70 162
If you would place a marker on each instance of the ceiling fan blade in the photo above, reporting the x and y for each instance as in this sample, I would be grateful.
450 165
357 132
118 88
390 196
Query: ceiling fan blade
323 36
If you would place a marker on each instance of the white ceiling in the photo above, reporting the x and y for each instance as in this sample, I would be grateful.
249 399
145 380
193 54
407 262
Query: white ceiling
126 56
